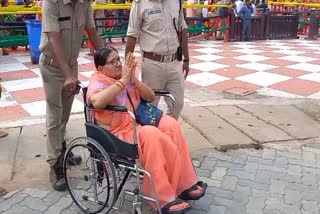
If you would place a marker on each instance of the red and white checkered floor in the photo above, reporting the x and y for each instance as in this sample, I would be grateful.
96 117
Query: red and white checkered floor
288 68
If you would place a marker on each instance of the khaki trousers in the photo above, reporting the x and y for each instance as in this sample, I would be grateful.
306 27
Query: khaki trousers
58 107
165 76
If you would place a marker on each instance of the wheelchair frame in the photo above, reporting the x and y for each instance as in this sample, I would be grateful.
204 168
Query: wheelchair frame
110 149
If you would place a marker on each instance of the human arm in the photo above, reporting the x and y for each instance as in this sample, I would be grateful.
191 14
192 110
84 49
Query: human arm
50 26
131 43
134 27
184 43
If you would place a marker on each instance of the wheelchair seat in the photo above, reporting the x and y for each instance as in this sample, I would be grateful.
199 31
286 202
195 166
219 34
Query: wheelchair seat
115 147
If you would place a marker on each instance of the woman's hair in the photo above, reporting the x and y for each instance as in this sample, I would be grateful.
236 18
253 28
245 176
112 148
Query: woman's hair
101 55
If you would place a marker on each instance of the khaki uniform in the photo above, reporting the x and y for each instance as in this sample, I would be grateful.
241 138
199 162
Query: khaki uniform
60 16
151 22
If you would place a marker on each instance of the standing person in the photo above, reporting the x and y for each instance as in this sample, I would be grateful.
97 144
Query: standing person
63 24
245 15
238 6
162 33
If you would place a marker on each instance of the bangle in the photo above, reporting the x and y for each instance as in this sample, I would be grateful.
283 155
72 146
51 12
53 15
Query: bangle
136 84
119 85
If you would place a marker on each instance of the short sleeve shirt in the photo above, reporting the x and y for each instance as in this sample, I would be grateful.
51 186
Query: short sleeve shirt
153 23
60 16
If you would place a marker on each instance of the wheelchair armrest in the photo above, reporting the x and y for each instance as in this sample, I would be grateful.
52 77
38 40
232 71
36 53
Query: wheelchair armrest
160 92
116 108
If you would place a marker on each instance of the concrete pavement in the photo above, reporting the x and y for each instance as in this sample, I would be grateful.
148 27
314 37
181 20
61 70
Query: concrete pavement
282 177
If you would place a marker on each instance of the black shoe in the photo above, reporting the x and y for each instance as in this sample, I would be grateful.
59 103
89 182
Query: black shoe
57 177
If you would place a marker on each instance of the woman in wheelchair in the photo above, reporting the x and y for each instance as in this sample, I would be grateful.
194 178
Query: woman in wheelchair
163 149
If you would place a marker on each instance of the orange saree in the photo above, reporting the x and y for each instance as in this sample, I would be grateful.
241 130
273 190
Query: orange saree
163 150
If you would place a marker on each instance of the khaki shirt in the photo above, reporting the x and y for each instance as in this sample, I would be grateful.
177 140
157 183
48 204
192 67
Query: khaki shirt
60 16
151 21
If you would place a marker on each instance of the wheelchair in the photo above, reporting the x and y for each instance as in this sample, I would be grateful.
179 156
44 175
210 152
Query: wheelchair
107 162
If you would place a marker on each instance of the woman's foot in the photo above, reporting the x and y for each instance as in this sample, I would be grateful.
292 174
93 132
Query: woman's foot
177 206
195 192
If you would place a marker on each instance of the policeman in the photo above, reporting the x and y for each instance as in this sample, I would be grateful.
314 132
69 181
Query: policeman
63 25
160 27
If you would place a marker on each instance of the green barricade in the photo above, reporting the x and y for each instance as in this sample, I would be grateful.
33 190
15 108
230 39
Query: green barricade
13 41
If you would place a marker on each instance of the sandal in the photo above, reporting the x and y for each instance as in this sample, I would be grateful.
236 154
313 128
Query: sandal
187 194
178 201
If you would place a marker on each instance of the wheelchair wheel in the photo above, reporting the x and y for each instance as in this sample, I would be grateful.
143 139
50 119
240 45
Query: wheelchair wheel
92 183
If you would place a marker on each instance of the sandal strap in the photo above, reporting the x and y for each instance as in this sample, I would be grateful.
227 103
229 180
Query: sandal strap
166 208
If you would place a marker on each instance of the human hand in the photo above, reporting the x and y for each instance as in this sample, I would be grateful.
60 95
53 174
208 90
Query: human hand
70 84
128 68
186 69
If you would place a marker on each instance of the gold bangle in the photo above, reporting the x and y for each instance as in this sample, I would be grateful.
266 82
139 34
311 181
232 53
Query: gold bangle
123 86
119 85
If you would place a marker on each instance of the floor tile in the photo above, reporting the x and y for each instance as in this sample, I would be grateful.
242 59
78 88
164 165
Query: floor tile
23 59
235 85
315 96
82 60
29 95
306 67
298 86
298 58
233 72
263 78
208 50
248 51
208 57
214 45
7 100
207 66
278 62
229 53
257 66
87 67
277 93
12 67
36 71
190 85
289 52
87 74
244 46
312 77
12 113
15 75
205 79
30 65
230 61
16 85
288 71
252 58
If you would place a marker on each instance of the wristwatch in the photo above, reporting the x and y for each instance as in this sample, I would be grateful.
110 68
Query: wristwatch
185 60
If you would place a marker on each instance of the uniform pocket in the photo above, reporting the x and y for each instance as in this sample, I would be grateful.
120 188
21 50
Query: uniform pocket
154 21
65 25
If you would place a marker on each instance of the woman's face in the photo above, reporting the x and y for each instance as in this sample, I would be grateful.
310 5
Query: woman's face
113 66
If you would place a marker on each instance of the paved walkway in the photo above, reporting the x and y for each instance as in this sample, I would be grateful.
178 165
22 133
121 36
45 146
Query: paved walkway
287 68
280 179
